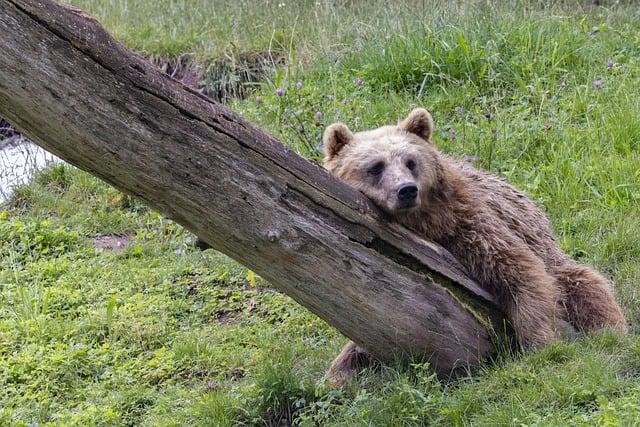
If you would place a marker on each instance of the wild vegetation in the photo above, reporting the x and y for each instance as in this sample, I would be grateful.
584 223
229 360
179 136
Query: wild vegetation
110 316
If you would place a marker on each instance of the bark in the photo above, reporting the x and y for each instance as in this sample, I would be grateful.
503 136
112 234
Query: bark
75 91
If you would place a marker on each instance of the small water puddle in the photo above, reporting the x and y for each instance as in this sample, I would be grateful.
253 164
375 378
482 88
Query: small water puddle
19 160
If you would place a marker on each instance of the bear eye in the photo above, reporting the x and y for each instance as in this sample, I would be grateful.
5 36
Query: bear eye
411 164
376 169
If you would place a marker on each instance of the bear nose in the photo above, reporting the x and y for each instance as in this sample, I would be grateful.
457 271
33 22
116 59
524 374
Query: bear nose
407 192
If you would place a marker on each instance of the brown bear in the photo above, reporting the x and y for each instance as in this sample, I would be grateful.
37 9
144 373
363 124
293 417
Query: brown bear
501 237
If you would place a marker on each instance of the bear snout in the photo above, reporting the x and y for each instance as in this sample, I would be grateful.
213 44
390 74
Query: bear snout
407 194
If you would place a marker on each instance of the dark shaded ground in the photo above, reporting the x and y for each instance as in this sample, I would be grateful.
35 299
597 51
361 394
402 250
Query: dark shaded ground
233 76
111 243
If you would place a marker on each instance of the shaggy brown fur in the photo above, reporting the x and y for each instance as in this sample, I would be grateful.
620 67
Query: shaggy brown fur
503 239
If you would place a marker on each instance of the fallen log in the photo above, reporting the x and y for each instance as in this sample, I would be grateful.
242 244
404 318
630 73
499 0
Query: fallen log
70 87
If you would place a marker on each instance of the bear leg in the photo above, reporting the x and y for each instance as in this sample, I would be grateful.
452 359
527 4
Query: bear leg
533 312
517 278
588 299
351 359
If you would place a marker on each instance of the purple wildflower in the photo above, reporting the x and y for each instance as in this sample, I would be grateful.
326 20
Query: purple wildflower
597 84
317 116
279 92
258 100
610 64
358 81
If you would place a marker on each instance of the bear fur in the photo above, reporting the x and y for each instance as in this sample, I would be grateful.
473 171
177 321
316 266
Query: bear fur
501 237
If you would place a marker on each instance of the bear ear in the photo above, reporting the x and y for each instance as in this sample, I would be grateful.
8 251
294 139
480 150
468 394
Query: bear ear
335 138
418 122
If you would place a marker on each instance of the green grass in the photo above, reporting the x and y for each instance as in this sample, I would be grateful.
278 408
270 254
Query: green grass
162 334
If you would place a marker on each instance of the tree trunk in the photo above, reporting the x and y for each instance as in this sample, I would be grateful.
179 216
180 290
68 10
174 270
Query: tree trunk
72 89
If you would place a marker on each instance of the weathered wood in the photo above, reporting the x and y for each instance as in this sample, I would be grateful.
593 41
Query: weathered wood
75 91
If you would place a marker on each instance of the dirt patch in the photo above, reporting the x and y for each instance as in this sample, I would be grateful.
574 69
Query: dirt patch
111 243
227 318
233 76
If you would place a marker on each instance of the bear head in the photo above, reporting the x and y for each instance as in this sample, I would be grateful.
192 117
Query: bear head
397 167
